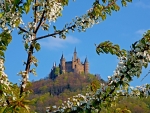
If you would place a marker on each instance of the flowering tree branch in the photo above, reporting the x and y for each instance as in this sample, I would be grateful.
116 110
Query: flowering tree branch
53 34
40 22
80 23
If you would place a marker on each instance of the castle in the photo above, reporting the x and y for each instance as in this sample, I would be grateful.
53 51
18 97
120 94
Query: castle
74 66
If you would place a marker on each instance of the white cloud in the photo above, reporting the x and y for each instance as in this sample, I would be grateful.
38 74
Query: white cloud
55 43
143 5
141 32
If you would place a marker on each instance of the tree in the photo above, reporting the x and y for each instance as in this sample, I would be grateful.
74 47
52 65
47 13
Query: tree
57 71
46 11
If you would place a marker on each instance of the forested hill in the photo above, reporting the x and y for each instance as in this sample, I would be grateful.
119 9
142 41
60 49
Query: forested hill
48 92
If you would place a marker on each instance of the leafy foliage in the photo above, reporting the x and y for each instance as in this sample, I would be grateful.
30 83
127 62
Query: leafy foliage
107 47
48 92
5 39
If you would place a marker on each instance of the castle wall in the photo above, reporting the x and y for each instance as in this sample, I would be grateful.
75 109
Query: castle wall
78 67
81 68
68 66
86 68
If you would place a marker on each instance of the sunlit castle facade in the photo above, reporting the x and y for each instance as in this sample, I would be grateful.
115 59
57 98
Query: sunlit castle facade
74 66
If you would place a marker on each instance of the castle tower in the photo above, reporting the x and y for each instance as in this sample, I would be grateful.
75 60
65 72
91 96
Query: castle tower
72 63
62 64
54 65
86 66
75 54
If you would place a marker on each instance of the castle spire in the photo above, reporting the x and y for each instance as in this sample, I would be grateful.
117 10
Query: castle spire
62 56
75 54
75 50
86 66
86 60
54 64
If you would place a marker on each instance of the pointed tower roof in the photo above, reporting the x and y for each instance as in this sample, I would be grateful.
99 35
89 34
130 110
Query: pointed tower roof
86 60
75 50
54 64
62 56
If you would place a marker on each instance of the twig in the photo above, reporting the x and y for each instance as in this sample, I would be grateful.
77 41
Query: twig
35 17
23 30
40 23
145 76
57 32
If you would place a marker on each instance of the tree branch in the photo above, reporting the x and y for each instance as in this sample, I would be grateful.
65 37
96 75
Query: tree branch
56 33
35 17
23 30
145 76
27 69
59 32
40 23
29 59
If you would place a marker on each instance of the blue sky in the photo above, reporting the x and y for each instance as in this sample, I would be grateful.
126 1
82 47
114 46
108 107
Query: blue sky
123 28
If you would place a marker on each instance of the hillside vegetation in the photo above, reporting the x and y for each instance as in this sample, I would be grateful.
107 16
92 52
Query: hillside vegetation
47 92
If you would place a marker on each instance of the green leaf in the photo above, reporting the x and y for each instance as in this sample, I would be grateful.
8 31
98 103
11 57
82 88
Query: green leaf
1 89
3 48
145 65
5 38
17 22
37 46
26 46
54 28
2 53
27 7
124 3
63 36
16 2
116 7
104 1
1 14
54 36
9 109
36 64
29 1
103 16
46 27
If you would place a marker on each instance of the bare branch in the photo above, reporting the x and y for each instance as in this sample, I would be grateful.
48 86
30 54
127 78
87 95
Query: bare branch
23 30
145 76
57 32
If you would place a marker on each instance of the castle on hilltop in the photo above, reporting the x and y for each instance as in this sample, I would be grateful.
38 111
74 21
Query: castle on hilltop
74 66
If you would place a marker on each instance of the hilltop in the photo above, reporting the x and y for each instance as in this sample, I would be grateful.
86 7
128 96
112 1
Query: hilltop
48 92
